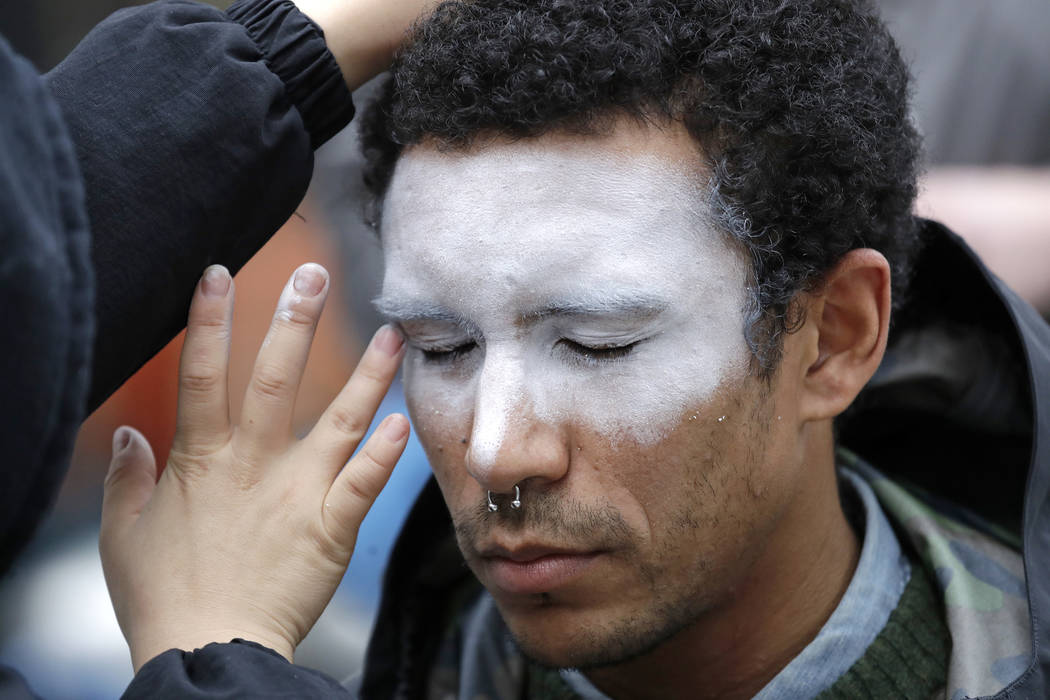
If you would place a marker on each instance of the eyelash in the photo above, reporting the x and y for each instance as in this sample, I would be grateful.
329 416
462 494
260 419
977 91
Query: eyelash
447 355
591 355
583 354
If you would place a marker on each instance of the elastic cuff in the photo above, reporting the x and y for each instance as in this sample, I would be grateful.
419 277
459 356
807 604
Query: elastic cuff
294 49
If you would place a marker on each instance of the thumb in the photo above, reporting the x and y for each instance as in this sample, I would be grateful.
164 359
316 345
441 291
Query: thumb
131 478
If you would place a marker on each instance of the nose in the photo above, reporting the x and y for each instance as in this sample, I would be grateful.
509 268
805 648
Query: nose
509 442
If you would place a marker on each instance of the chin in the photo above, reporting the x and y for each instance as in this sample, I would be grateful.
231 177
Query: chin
558 642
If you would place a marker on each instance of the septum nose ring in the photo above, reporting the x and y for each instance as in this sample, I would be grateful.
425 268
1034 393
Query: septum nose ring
515 504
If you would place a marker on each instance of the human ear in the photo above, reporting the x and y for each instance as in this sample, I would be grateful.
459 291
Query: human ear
850 317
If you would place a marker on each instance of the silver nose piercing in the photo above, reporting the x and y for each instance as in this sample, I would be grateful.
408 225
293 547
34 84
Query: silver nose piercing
515 504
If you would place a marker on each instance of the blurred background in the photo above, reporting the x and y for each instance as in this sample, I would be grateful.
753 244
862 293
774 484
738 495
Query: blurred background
982 101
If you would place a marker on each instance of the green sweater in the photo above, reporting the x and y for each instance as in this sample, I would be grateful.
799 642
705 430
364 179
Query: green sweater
909 657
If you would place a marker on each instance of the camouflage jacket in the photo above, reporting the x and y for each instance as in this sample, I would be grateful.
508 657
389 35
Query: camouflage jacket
958 411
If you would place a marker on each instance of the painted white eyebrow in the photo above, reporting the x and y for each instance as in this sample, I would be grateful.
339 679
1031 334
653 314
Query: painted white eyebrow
403 311
623 305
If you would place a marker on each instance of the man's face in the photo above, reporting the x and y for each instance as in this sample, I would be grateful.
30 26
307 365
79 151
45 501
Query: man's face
575 327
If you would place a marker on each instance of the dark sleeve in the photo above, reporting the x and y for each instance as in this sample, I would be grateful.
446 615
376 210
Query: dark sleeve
239 669
45 301
194 130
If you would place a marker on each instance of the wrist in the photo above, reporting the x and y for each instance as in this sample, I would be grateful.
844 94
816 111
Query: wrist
362 35
149 646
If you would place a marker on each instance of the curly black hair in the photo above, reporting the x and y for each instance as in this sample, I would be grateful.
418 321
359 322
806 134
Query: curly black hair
799 109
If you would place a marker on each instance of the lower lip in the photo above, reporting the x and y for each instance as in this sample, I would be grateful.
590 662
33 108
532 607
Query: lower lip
539 575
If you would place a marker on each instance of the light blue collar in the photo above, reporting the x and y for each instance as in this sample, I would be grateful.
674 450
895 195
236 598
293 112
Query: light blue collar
873 593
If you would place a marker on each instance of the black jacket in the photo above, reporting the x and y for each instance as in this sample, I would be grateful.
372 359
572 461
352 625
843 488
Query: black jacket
179 136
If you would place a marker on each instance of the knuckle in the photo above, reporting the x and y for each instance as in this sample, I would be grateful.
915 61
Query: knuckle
200 379
270 383
335 537
189 462
367 479
357 488
114 476
347 422
188 447
245 479
295 319
245 474
209 321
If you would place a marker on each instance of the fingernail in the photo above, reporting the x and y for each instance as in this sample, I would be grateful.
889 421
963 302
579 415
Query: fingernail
395 428
216 281
121 439
310 279
389 340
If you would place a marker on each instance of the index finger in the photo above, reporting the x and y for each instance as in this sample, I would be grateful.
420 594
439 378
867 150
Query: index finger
347 418
203 413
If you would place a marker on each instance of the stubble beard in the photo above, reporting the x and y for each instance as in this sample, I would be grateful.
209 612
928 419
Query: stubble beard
677 601
625 640
625 636
671 606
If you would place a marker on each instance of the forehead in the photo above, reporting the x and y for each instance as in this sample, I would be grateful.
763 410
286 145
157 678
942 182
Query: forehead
553 215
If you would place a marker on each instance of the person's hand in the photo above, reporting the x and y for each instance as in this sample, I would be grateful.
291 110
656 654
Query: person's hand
363 34
248 530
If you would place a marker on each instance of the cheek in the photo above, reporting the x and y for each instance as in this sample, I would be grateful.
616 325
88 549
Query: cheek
443 428
439 406
645 484
642 400
694 490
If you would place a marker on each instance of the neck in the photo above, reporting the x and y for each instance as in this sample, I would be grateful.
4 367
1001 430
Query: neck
769 616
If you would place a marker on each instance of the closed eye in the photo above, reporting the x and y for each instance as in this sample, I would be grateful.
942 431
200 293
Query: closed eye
596 354
447 355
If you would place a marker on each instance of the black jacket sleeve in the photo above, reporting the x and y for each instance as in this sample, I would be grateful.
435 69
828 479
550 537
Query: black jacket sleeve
194 130
239 669
45 302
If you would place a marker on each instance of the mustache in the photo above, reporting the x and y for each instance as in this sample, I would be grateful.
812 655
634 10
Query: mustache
547 515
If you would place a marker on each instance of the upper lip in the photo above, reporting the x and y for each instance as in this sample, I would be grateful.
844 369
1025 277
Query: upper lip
527 552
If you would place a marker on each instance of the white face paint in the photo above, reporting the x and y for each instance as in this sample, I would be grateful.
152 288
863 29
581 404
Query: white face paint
559 281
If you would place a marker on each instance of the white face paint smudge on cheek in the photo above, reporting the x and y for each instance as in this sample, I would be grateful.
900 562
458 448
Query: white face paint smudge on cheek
543 249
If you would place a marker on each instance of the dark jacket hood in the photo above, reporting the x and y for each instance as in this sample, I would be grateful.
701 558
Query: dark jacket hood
961 408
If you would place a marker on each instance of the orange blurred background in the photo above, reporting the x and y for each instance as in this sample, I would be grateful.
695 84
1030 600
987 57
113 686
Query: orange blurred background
148 400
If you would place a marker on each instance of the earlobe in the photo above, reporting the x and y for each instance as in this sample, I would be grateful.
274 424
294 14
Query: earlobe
850 317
